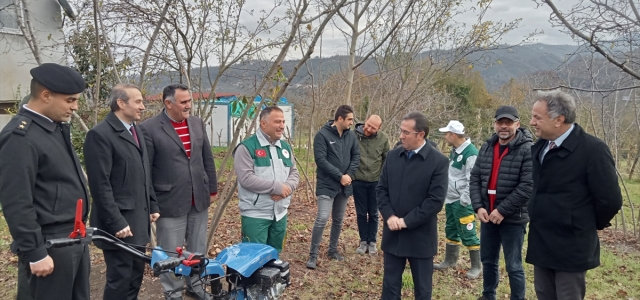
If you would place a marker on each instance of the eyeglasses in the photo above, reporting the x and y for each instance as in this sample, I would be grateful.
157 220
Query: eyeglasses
405 133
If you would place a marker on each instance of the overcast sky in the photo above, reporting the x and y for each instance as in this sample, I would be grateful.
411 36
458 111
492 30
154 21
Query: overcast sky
533 19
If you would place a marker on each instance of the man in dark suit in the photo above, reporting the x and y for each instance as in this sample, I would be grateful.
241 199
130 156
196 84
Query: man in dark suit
184 177
120 182
575 194
410 193
41 181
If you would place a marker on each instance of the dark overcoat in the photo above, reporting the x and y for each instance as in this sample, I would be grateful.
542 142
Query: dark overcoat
120 181
575 194
413 189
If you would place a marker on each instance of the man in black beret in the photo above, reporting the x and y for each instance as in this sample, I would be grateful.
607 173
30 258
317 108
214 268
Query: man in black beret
41 180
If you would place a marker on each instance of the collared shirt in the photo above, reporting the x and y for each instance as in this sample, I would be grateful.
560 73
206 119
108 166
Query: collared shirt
558 142
127 126
268 138
37 113
168 116
418 150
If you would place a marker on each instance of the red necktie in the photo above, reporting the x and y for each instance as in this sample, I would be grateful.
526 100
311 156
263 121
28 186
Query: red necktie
552 145
135 135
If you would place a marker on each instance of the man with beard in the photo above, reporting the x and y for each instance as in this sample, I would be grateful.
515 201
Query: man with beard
337 157
184 178
500 188
374 146
460 226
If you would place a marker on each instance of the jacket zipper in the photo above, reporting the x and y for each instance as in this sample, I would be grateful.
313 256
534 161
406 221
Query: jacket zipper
254 202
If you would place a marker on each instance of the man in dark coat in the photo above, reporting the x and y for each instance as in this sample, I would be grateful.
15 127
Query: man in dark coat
410 193
41 180
184 178
500 188
575 194
120 182
337 156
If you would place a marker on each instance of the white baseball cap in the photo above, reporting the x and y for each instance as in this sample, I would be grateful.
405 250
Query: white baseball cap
454 126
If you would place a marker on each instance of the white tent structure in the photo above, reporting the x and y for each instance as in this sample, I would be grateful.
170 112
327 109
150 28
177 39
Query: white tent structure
226 114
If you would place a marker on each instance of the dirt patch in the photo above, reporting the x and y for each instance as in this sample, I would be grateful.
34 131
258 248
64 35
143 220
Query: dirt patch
358 277
304 282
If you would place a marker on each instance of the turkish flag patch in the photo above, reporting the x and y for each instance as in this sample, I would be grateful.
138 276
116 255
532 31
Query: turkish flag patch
261 153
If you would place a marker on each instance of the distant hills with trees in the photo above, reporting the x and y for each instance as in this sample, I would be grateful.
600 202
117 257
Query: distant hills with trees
497 67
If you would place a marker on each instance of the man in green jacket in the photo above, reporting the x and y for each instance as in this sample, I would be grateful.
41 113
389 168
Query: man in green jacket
460 226
374 145
267 177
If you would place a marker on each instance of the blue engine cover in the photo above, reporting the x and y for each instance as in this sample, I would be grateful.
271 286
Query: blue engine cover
212 268
246 258
157 255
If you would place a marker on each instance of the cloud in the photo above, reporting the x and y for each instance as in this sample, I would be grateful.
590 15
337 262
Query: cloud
534 18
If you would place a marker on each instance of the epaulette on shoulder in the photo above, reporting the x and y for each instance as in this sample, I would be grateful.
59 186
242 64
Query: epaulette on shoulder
23 125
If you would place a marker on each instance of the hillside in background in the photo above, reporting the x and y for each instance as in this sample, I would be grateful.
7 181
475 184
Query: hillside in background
497 67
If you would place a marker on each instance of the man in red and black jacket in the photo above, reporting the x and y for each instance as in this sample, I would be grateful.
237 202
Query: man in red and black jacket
500 188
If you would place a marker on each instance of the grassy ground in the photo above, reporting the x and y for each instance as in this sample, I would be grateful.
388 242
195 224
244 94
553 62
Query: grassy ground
360 276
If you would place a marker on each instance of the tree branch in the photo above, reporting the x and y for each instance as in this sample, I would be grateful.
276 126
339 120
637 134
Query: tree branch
634 9
27 31
145 60
389 33
591 41
588 90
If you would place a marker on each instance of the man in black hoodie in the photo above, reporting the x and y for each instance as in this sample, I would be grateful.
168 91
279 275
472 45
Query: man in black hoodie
500 188
337 157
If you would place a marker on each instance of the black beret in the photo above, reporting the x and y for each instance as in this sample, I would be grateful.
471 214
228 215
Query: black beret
59 79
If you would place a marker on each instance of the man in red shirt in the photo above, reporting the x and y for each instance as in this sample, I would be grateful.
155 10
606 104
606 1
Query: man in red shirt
500 188
183 175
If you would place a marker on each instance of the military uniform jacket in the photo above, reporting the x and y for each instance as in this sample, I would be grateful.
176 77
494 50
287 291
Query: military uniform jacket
41 181
120 180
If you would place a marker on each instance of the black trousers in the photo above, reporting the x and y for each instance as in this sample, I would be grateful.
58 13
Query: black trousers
68 281
421 271
552 284
124 275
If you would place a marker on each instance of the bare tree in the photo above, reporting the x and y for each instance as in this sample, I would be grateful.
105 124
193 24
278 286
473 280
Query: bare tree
304 13
609 27
24 23
371 13
424 51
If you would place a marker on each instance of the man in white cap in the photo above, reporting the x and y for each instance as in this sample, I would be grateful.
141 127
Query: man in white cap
460 226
